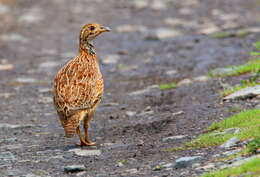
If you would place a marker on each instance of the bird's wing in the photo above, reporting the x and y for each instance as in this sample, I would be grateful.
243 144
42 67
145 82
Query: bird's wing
79 85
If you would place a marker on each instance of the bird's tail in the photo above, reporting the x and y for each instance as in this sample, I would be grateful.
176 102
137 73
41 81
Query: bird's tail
71 125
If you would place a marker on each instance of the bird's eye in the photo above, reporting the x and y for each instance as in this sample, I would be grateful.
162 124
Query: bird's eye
92 28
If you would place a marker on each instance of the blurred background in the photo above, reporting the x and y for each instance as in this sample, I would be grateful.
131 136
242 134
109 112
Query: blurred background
152 42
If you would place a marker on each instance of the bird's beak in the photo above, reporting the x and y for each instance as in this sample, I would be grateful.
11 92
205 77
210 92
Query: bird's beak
105 29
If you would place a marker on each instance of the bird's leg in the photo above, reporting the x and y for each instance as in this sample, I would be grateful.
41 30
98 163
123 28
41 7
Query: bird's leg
82 139
87 119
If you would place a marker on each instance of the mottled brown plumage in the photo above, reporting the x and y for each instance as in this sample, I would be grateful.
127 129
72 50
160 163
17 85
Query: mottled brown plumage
78 86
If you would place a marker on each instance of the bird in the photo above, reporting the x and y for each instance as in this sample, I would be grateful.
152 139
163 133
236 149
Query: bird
78 86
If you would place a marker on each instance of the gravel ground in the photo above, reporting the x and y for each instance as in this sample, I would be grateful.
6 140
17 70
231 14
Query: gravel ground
152 42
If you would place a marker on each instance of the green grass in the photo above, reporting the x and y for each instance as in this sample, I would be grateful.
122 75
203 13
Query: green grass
228 91
227 34
248 169
168 86
250 66
248 122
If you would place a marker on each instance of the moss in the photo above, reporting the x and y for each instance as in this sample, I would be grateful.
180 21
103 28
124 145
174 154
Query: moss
248 122
168 86
251 168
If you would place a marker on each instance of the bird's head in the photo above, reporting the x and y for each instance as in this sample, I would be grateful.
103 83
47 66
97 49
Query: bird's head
91 31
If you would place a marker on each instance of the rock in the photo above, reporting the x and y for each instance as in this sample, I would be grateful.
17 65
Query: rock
207 167
48 64
140 3
31 175
45 100
240 162
245 93
130 28
228 153
7 156
184 82
83 173
14 37
172 138
231 142
201 78
221 71
232 130
74 168
86 152
162 34
131 171
45 90
4 9
6 95
185 11
145 91
119 164
26 80
6 67
33 16
158 5
171 72
110 59
177 113
5 125
184 162
130 113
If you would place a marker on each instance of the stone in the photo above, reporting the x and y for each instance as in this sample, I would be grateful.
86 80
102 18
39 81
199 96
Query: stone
119 164
201 78
241 161
13 37
158 5
184 162
131 171
184 82
231 142
45 90
171 72
232 130
110 59
140 3
74 168
207 167
6 95
177 113
45 100
26 80
228 153
5 125
130 113
33 16
7 156
172 138
245 93
49 64
4 9
145 91
162 34
6 67
221 71
30 175
130 28
86 152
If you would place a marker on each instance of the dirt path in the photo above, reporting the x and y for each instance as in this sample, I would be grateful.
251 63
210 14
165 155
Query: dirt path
135 116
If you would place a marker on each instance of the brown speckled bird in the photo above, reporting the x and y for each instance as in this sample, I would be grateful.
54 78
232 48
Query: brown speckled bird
78 86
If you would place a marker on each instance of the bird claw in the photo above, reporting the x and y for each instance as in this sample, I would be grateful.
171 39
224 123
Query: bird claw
86 143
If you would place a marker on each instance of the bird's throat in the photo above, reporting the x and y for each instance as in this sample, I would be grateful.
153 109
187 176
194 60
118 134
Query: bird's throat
88 47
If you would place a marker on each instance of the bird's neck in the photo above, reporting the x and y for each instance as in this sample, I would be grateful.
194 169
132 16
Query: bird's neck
87 47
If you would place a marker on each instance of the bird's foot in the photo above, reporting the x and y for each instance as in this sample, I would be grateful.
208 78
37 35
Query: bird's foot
86 143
